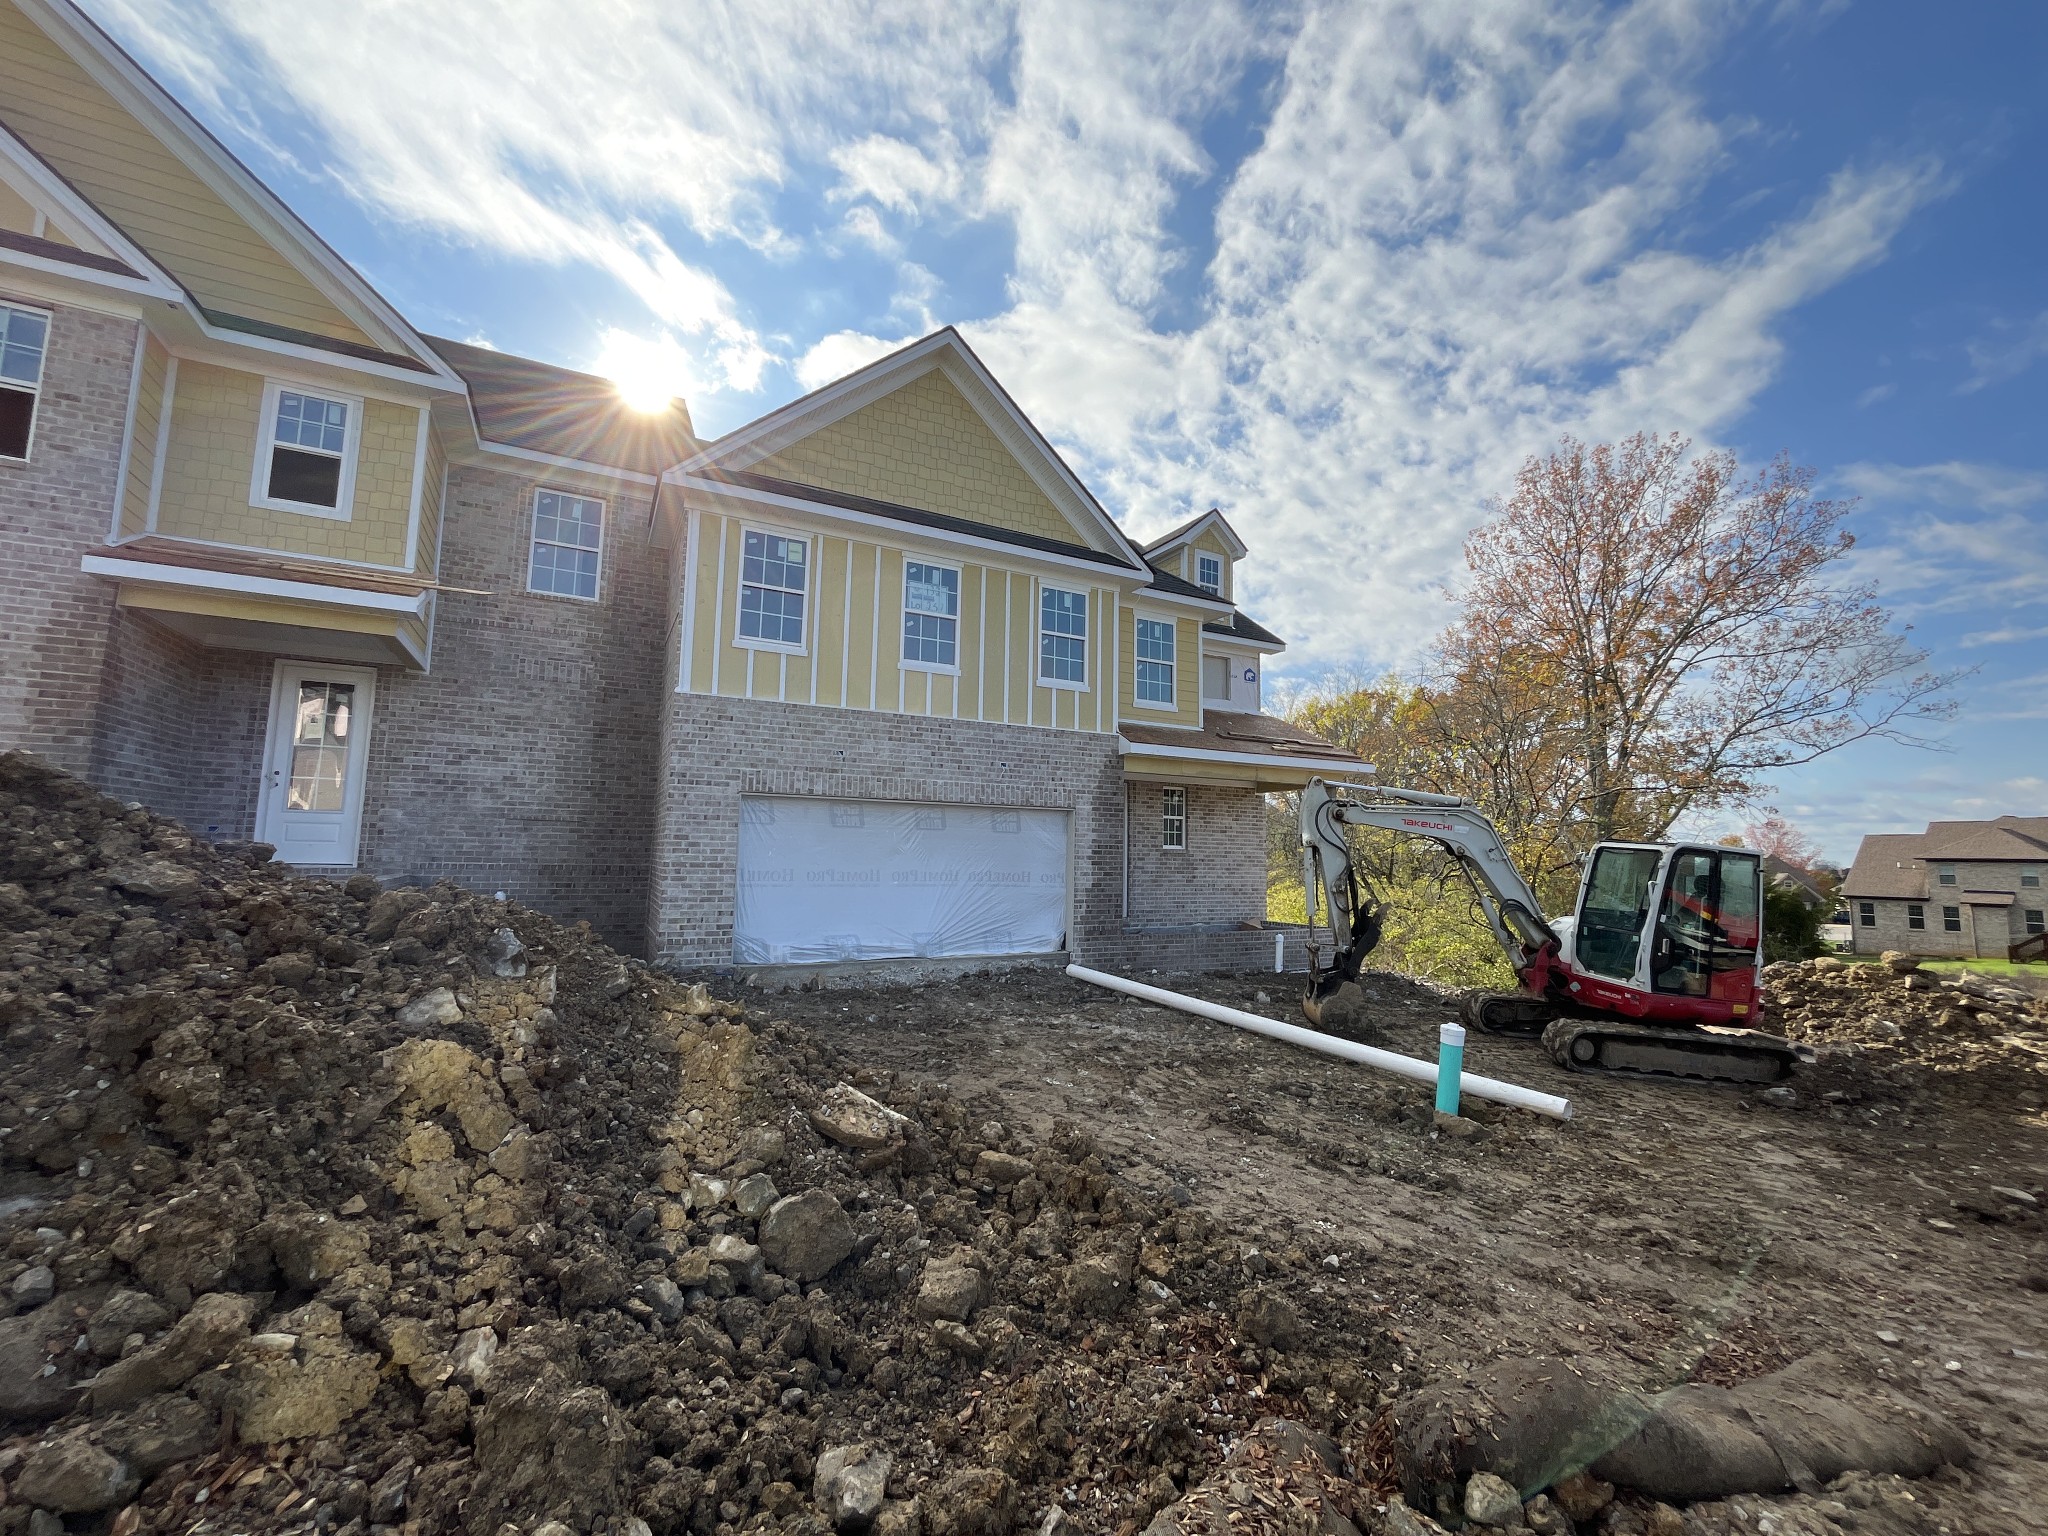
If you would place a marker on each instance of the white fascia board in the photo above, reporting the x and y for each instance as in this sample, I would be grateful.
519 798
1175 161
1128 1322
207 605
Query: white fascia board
32 177
1211 755
72 272
228 342
212 162
62 287
155 574
1244 643
581 466
1014 553
1182 600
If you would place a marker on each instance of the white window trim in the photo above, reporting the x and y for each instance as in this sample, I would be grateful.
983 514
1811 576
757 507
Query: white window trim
2027 884
779 647
903 593
1164 845
604 521
1200 556
1039 632
1138 617
1948 875
35 411
343 510
1229 679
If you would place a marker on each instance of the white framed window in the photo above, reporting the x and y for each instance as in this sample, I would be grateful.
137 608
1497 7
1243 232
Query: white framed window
1216 678
1155 680
2036 918
1173 819
931 616
1916 915
1062 638
1945 873
306 451
24 343
1209 573
568 545
1866 914
1951 919
775 589
2030 879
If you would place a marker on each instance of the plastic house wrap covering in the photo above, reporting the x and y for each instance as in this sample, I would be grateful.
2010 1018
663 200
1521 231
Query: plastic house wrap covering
823 880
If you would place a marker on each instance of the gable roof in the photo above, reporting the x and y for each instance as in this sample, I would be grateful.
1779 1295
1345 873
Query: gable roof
1167 584
269 223
565 414
1189 531
1887 865
945 350
2000 839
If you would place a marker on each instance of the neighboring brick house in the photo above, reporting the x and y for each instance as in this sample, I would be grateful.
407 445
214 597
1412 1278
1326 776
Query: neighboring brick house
1972 888
873 676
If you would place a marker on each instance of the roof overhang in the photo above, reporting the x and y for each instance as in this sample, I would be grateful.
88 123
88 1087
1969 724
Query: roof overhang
1265 771
39 184
698 486
1187 533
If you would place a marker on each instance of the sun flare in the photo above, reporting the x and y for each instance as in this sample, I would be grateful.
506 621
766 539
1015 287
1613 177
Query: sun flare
649 374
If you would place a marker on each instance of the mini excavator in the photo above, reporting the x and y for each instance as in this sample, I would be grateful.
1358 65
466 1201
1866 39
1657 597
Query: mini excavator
1656 972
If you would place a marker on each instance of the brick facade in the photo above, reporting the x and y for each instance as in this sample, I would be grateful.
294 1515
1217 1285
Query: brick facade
1986 931
55 620
1219 879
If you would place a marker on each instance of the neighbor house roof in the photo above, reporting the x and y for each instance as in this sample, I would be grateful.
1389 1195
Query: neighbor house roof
538 406
1888 865
2000 839
1243 736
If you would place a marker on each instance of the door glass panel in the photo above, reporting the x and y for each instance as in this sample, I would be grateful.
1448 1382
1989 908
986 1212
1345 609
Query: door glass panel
1708 931
1617 904
320 746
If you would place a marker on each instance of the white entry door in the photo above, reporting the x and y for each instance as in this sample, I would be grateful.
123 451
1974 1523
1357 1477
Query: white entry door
311 805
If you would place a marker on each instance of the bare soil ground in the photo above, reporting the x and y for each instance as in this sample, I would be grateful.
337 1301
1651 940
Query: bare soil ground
1670 1229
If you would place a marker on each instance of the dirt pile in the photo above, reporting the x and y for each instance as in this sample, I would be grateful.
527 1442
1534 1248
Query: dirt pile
1905 1016
326 1207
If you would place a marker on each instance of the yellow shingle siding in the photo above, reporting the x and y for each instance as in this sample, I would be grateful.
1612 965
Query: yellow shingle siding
149 402
64 115
924 446
852 657
428 560
216 421
1187 670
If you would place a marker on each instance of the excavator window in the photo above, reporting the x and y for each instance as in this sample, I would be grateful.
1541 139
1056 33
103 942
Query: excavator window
1619 890
1708 928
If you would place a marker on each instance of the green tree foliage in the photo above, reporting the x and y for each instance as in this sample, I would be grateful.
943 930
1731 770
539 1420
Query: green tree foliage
1791 925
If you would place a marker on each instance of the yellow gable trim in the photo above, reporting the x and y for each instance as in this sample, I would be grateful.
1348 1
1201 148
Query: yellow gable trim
923 445
73 123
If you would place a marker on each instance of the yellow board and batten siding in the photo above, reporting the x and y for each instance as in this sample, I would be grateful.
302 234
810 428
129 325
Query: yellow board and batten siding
852 656
62 113
210 456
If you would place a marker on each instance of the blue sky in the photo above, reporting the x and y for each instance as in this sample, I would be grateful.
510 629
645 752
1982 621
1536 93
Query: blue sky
1337 268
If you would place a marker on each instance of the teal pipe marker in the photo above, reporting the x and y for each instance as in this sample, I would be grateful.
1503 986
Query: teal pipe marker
1450 1066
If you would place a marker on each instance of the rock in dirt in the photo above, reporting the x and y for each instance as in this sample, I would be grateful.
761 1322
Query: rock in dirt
848 1485
1582 1496
1099 1285
309 1389
851 1118
1490 1501
951 1289
804 1236
122 1314
34 1286
201 1339
1272 1320
979 1501
72 1476
159 1431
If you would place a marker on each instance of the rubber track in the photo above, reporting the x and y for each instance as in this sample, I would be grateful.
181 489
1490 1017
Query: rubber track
1721 1056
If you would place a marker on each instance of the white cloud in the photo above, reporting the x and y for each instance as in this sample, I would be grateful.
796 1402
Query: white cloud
1961 537
2005 352
839 354
1462 228
2007 634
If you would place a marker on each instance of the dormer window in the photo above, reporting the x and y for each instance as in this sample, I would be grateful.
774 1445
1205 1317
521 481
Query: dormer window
1209 573
306 459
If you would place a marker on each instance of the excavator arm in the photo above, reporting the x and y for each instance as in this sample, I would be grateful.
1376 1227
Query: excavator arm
1460 828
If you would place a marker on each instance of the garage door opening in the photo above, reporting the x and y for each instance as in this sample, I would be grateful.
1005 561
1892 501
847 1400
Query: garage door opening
823 880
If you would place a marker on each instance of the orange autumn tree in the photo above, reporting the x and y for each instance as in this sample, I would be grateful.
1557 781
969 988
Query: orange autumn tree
1667 632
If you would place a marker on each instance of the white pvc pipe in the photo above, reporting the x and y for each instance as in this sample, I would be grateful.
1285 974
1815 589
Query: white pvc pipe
1330 1045
1280 950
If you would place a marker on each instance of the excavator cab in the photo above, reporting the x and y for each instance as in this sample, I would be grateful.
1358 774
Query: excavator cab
1669 931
